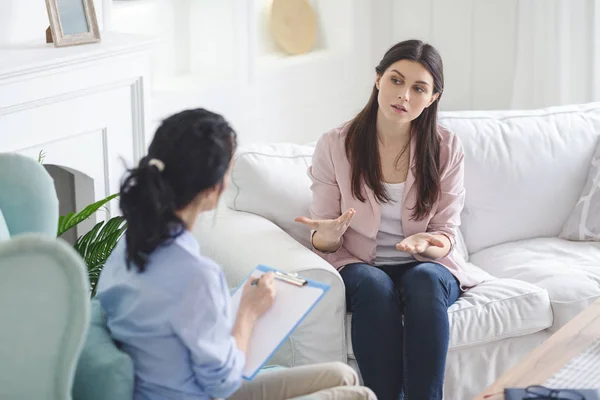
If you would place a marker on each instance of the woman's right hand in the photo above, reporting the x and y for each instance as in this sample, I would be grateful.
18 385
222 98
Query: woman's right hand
257 298
330 230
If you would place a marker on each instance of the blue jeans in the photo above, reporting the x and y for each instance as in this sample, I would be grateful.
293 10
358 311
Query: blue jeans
400 328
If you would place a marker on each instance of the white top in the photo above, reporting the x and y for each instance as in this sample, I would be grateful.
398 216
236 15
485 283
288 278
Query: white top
390 230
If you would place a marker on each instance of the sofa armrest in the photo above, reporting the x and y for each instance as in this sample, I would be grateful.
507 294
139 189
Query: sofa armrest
240 241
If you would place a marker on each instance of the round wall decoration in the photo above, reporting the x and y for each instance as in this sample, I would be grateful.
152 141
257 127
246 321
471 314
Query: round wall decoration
294 25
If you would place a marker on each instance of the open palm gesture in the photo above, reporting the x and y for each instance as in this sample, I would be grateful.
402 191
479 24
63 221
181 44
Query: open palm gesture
330 230
418 243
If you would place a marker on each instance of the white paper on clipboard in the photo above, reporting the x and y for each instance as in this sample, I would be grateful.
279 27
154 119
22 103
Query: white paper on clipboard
292 304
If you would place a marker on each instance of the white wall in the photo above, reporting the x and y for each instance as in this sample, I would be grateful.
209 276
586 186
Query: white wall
476 41
501 54
498 54
220 55
25 21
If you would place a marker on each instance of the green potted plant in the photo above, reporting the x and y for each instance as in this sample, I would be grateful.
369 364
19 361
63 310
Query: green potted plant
96 245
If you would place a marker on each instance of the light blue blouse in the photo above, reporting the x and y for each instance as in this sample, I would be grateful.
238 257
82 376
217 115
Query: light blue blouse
174 320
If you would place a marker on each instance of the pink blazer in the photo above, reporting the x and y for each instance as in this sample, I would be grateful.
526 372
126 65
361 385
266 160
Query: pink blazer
332 195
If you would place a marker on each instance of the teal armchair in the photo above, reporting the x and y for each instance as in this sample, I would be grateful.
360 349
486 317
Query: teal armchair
45 311
28 201
54 343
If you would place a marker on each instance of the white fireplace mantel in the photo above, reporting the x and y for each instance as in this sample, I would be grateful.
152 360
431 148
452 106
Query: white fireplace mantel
85 107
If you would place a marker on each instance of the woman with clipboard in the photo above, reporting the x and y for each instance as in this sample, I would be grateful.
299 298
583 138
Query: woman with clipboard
167 305
387 196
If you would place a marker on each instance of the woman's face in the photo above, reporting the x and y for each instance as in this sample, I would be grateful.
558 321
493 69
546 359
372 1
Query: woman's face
405 90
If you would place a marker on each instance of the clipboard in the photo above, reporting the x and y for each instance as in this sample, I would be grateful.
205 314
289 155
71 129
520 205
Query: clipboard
294 299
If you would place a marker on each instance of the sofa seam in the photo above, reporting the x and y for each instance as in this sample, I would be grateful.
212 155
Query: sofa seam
541 291
519 333
237 187
271 155
591 110
575 301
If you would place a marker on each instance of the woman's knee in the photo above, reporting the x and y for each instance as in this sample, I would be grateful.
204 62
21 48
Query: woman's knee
364 282
429 282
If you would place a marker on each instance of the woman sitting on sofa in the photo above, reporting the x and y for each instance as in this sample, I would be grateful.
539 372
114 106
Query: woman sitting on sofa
387 197
167 305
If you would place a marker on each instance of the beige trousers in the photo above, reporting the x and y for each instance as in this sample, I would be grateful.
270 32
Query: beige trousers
330 381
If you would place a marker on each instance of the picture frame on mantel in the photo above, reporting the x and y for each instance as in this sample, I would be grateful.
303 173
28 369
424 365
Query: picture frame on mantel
72 22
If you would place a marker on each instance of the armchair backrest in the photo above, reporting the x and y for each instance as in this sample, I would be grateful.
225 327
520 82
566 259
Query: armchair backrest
28 198
44 315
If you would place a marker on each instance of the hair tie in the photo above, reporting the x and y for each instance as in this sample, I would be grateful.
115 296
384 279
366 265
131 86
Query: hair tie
160 166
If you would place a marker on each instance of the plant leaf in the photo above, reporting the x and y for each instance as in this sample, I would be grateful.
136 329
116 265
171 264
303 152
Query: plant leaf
70 220
96 245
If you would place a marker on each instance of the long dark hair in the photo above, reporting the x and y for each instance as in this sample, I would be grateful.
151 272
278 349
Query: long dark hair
361 139
190 152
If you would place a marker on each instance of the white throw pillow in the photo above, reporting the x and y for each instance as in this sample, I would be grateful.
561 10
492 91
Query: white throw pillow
271 180
584 222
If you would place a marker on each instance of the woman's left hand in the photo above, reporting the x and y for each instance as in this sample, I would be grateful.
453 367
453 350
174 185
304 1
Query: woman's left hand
419 243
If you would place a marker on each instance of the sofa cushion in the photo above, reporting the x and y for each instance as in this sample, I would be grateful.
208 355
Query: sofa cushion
492 311
4 234
498 309
569 271
103 371
515 162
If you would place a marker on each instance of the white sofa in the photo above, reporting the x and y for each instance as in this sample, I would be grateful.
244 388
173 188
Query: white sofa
524 173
